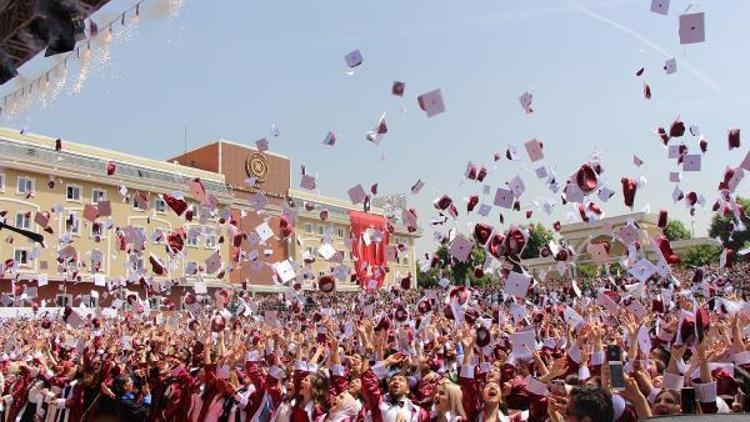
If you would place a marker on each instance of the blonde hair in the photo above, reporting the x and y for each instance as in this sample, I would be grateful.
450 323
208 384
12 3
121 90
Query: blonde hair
455 398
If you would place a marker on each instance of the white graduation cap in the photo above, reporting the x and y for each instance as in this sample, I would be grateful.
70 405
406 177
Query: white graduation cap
432 102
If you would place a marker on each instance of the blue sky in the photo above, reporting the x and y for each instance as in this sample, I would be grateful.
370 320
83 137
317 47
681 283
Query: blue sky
232 68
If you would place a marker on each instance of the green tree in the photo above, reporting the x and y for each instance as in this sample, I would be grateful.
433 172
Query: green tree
587 270
720 227
696 256
540 236
457 273
676 230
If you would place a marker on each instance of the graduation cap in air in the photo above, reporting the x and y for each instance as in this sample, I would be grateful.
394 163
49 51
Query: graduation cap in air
218 323
733 138
401 315
424 306
285 227
327 283
157 267
405 282
677 129
483 336
586 178
472 202
398 88
432 103
662 220
354 59
692 28
378 132
629 187
662 244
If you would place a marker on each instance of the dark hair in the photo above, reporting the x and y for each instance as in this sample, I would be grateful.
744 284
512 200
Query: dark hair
119 385
594 402
319 386
572 379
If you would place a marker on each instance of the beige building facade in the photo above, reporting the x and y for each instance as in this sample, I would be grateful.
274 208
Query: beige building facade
579 235
36 178
311 232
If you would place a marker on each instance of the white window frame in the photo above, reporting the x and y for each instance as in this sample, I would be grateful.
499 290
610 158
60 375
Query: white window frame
191 242
27 220
103 234
25 178
136 268
134 204
77 232
3 178
187 265
164 238
75 186
160 202
340 232
26 264
91 266
93 302
155 302
321 230
94 199
308 228
210 245
68 300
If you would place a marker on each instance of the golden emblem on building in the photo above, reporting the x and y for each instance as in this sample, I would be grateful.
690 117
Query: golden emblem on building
256 165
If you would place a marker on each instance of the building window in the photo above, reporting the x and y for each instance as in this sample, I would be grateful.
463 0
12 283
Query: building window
154 302
341 232
97 230
95 265
210 241
98 195
192 239
160 205
63 300
308 228
2 182
351 255
142 233
321 230
23 220
310 251
406 260
160 237
196 211
21 256
25 185
191 268
72 225
73 193
136 263
92 301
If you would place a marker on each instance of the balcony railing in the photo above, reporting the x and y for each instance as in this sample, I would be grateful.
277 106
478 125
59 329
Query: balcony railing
10 150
